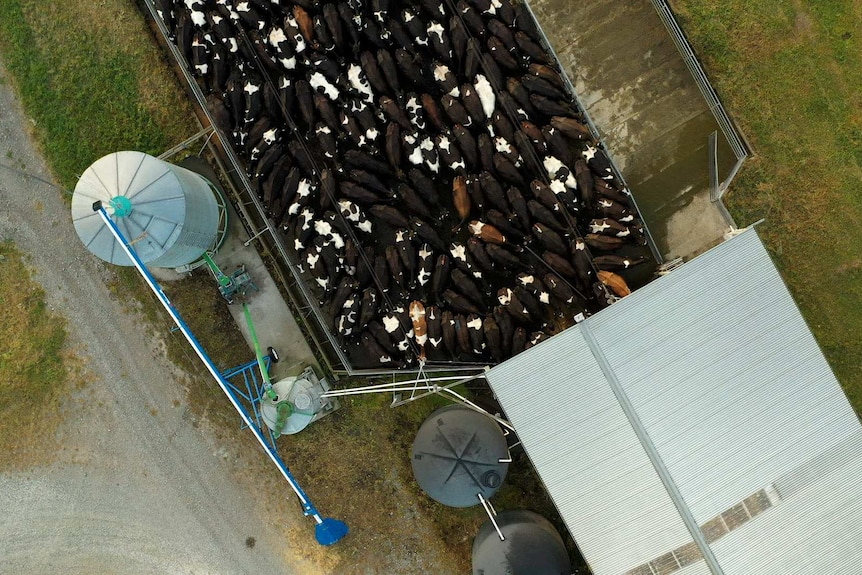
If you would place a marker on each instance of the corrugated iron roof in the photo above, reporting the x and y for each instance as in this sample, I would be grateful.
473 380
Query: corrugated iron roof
696 415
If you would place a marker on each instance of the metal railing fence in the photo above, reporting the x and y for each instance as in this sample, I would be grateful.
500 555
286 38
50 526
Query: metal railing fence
734 139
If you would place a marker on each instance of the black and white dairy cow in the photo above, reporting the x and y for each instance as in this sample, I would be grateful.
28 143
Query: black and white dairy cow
535 286
598 162
400 331
376 352
354 214
426 264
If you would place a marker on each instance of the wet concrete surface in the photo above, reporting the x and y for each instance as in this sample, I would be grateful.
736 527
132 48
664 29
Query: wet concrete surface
273 321
634 84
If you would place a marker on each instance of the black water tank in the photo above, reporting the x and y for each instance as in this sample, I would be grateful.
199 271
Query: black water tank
457 455
532 546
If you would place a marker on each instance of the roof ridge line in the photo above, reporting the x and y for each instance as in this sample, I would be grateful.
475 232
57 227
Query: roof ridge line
650 449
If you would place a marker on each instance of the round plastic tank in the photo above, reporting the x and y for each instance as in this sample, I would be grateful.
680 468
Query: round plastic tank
304 403
459 453
532 546
168 213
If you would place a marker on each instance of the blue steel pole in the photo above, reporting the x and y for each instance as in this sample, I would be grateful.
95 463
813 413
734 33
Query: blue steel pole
307 506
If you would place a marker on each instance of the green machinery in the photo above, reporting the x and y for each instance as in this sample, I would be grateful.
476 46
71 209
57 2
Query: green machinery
288 405
239 283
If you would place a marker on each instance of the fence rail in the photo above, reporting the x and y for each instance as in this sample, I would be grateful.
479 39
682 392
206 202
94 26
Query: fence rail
740 149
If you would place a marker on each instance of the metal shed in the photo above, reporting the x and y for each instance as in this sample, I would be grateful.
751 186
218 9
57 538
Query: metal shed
695 427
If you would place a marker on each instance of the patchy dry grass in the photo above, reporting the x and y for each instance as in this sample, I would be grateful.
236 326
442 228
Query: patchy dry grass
32 369
790 74
208 317
355 464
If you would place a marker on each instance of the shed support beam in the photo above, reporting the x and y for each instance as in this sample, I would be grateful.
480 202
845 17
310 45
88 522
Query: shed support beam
650 449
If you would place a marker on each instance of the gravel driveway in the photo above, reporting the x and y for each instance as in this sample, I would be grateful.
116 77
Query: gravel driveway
135 486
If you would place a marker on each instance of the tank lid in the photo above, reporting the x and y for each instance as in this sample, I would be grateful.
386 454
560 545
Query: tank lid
459 453
121 206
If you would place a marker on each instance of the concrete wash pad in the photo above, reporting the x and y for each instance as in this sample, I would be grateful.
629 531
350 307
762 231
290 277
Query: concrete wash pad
634 84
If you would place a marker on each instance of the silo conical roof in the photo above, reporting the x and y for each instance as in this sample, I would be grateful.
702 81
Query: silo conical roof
169 213
459 453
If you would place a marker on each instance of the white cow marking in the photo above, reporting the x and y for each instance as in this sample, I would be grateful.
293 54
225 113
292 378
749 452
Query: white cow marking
390 323
598 228
486 94
318 80
276 37
357 79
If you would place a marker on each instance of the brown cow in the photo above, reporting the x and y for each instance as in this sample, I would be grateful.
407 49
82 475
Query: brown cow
420 327
487 232
616 283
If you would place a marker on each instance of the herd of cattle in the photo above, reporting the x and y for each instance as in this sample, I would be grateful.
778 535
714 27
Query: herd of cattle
426 163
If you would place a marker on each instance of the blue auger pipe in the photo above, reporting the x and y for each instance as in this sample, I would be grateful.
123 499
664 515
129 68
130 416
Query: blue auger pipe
327 531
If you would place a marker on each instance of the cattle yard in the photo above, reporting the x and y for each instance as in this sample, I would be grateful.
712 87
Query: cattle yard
754 208
356 143
640 82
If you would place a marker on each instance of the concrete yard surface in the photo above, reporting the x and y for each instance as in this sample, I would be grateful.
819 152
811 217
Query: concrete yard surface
634 84
273 321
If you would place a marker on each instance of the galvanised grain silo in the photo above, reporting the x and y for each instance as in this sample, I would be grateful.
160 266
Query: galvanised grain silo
170 214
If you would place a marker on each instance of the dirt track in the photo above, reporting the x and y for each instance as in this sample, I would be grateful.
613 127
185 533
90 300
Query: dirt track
135 486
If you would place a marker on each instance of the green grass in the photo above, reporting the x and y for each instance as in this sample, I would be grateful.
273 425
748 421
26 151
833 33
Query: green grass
32 370
790 74
91 80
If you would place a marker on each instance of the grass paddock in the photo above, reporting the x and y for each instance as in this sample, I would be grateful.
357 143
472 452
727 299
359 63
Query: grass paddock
790 74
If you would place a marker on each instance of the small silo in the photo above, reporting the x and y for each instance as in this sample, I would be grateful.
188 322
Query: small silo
168 213
531 546
458 454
